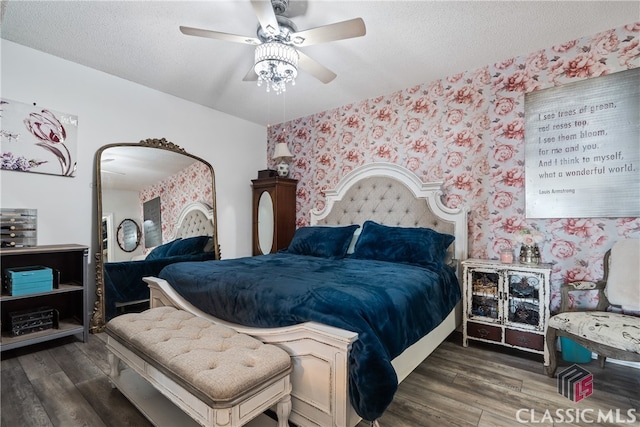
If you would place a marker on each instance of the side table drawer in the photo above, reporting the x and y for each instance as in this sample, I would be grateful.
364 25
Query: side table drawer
524 339
486 332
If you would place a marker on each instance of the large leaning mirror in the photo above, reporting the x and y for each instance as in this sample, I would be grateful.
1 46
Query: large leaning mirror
155 205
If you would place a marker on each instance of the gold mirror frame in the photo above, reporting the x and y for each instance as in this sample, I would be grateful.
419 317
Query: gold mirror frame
98 319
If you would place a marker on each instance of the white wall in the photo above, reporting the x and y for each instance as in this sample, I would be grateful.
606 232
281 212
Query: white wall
122 205
111 109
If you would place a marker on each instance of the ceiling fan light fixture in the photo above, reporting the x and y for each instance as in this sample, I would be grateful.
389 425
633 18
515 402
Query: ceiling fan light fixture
276 64
271 30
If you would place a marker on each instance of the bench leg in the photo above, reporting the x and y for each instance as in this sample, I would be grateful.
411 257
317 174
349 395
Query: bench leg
114 367
283 410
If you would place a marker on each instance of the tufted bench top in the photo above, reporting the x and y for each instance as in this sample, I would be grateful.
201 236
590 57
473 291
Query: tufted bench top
213 361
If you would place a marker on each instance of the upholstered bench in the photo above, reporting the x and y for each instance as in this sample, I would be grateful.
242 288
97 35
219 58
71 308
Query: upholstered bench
217 376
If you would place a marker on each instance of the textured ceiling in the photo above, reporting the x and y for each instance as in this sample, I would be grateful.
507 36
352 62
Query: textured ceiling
137 168
407 43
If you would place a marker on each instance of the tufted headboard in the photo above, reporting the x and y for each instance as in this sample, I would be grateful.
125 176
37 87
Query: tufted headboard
196 219
392 195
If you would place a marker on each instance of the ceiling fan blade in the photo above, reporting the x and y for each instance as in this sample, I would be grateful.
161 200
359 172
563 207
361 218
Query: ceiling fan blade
328 33
219 36
266 16
251 76
314 68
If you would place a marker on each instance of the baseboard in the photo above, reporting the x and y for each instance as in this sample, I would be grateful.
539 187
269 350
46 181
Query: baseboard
635 365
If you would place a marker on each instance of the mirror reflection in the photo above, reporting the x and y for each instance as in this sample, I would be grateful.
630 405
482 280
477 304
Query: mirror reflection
163 202
265 223
128 235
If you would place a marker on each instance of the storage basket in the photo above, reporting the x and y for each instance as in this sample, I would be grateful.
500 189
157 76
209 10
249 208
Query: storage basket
573 352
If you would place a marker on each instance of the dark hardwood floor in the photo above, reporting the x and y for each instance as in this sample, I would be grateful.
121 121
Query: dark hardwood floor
65 384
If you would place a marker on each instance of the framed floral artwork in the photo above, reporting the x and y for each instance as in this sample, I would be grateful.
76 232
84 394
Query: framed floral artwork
36 139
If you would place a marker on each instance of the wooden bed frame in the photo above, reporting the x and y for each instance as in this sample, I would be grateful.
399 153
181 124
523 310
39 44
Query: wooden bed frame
388 194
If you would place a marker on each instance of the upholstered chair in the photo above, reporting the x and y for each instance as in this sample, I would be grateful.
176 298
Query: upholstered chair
613 329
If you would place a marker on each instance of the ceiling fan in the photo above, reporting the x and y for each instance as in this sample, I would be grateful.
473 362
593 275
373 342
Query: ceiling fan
277 40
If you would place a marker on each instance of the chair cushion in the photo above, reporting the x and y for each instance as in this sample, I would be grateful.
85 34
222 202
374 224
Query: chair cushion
615 330
624 272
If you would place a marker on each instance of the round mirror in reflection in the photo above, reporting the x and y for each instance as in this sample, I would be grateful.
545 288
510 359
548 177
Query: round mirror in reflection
128 235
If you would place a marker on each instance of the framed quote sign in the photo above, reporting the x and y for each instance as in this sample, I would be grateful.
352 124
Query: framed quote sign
583 148
152 223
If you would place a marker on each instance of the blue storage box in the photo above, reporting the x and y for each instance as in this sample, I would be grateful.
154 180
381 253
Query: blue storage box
573 352
28 280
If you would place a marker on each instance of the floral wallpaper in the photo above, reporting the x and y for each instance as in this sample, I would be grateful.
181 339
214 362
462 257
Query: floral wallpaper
468 131
192 184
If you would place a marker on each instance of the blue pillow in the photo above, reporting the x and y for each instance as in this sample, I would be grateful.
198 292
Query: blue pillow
188 246
422 246
160 251
178 247
324 242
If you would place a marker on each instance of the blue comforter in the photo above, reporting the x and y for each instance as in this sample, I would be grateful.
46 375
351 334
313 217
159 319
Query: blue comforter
123 280
389 305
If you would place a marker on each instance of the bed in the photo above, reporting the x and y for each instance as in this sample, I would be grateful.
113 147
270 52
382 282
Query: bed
389 196
190 241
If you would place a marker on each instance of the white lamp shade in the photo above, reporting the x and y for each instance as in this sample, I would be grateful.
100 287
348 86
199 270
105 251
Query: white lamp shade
282 151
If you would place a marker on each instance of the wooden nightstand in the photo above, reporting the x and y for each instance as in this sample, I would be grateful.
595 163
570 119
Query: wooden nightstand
506 304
